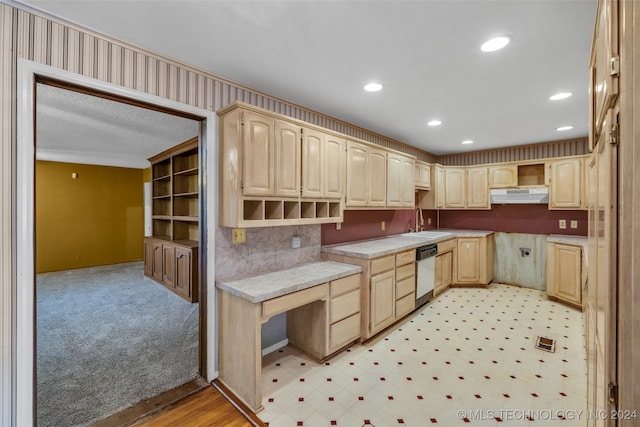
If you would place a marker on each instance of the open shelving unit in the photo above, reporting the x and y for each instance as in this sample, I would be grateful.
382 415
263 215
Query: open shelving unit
171 252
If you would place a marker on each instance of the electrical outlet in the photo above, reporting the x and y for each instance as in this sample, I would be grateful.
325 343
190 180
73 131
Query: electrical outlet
338 225
295 242
562 223
574 223
382 226
429 221
238 235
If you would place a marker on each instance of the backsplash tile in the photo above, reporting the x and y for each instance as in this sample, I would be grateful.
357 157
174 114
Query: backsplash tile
267 249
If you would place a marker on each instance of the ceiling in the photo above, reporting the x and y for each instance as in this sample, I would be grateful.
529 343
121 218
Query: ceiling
73 127
426 53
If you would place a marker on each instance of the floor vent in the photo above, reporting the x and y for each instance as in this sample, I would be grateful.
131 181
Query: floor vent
546 344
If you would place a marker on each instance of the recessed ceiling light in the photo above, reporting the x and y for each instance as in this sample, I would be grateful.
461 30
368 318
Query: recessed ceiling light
373 87
496 43
467 141
562 128
434 123
559 96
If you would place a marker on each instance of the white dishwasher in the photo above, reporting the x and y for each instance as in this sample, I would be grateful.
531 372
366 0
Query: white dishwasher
425 273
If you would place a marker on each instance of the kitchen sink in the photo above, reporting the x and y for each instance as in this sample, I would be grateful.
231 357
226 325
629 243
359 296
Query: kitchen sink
429 234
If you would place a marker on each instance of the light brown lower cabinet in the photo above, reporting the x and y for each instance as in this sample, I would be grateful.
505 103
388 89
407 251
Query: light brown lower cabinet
173 264
473 264
444 266
566 274
388 287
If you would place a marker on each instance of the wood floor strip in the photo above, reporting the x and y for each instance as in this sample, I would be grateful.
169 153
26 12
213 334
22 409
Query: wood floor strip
153 405
207 407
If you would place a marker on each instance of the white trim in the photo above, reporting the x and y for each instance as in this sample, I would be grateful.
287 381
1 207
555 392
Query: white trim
23 367
275 347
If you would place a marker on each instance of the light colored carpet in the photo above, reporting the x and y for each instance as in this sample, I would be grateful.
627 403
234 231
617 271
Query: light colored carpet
108 338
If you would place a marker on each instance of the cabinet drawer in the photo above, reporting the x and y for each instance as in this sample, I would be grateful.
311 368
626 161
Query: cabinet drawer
405 257
344 331
406 286
405 271
405 305
446 246
344 285
345 305
382 264
297 299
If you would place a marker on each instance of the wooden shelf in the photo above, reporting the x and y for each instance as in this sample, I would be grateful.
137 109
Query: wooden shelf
265 212
170 255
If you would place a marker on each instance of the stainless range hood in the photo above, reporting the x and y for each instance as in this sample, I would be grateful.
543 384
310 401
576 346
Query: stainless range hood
520 196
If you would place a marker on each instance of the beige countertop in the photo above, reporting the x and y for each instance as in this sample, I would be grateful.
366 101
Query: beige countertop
272 285
572 240
375 248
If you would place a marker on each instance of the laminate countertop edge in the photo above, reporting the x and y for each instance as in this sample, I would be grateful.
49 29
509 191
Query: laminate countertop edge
274 284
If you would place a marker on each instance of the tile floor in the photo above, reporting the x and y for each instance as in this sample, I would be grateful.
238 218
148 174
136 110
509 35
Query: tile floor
466 358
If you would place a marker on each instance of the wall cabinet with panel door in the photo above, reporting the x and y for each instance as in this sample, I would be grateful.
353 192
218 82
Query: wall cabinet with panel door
400 181
422 175
435 197
566 178
366 176
503 176
444 266
478 188
566 272
455 188
277 171
473 264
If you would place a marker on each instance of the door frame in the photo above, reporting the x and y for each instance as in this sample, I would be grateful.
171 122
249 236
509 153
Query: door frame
23 366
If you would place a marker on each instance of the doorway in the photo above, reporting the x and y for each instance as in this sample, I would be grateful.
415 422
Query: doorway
28 75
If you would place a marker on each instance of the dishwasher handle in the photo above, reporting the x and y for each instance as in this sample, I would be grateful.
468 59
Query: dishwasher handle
426 252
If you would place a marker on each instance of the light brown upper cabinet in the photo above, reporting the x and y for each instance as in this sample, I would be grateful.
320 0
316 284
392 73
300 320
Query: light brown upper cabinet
323 164
604 67
276 171
455 186
366 176
400 181
334 166
422 175
287 159
503 176
565 183
435 197
259 155
477 188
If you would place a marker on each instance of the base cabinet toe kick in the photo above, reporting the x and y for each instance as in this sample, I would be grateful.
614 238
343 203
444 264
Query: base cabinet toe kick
321 320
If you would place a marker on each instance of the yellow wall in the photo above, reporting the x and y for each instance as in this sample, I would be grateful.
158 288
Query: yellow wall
96 219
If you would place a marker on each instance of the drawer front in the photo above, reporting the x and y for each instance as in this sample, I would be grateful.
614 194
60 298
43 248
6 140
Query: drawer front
382 264
405 305
345 305
446 246
294 300
344 285
344 331
405 257
406 286
405 271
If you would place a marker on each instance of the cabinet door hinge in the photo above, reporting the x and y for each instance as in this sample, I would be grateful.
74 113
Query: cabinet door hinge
614 66
614 134
242 184
242 120
613 393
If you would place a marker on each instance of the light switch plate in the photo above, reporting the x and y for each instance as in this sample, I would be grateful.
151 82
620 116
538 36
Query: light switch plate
562 223
295 242
238 235
574 223
382 226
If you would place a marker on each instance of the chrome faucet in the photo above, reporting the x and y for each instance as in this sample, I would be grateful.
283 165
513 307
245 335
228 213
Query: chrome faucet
419 220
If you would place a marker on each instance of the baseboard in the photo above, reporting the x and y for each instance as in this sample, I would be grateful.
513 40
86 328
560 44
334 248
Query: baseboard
275 347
